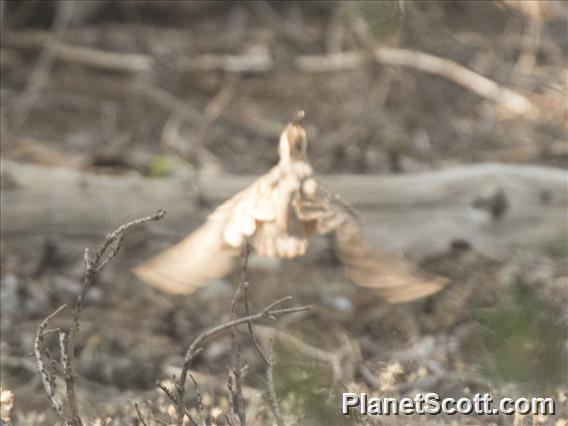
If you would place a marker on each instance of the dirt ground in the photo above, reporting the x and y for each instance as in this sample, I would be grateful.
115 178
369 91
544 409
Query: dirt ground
171 89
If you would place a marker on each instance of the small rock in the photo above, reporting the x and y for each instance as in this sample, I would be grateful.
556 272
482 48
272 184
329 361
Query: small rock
338 303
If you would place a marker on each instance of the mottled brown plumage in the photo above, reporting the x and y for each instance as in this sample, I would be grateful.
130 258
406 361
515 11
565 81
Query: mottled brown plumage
278 214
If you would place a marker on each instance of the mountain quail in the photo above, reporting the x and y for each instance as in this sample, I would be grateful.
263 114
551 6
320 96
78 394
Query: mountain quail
278 214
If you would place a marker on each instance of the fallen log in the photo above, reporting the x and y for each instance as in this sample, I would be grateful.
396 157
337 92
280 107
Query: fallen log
494 207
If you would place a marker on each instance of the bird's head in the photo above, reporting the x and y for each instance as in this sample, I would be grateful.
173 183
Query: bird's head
293 144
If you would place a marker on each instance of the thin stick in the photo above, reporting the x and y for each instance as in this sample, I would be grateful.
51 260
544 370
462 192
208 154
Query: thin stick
267 312
46 377
113 240
67 339
139 414
69 376
236 391
174 399
199 397
93 267
246 285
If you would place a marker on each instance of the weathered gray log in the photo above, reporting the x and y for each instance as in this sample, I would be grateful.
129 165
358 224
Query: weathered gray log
495 207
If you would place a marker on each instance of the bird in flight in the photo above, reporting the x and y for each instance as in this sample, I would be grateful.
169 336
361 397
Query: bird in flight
278 214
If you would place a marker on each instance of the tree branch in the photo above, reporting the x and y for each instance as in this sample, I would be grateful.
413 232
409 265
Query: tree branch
268 312
67 339
472 81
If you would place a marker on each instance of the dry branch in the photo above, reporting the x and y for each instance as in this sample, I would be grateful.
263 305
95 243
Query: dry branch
259 60
67 339
97 58
234 380
139 415
269 311
68 375
472 81
255 61
48 378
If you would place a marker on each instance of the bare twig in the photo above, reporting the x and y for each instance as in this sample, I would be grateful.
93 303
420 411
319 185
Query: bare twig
236 400
46 377
67 339
69 376
93 266
139 414
484 87
268 312
250 328
174 399
167 392
235 387
199 397
246 285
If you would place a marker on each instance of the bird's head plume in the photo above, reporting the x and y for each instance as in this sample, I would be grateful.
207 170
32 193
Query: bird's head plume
293 144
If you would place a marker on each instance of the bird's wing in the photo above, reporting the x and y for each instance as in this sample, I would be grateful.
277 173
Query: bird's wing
211 250
392 277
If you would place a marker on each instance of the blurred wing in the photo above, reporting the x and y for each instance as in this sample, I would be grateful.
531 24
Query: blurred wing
191 263
394 278
211 250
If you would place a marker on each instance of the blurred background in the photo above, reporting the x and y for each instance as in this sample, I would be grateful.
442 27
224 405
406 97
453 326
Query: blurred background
444 122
